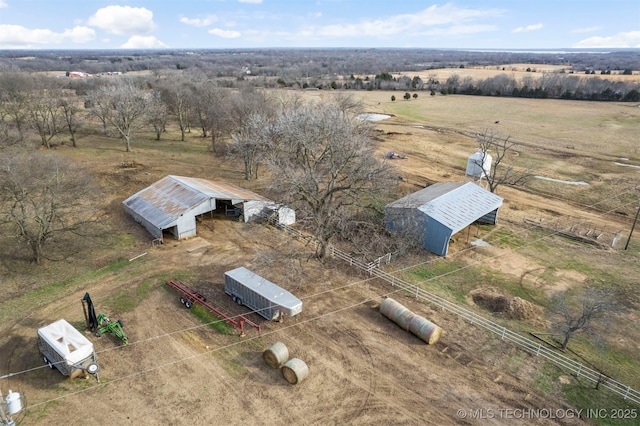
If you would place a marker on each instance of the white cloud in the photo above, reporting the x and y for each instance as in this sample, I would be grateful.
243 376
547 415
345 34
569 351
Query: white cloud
250 1
620 40
455 30
3 4
586 30
17 36
143 42
404 24
224 33
199 22
534 27
123 20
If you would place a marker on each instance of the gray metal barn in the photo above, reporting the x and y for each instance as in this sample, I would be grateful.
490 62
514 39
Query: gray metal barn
436 212
173 203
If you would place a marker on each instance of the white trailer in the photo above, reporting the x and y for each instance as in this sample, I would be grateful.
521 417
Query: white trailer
264 297
65 348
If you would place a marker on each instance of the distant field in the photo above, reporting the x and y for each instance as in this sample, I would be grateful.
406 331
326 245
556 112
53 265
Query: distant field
518 71
603 129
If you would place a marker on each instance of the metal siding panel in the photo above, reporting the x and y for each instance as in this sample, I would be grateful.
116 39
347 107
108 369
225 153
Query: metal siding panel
437 238
152 229
462 206
219 190
186 227
255 283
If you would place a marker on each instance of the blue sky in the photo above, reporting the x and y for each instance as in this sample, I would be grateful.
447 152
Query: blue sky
220 24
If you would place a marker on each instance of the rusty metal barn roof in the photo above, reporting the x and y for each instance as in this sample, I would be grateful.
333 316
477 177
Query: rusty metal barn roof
454 204
167 199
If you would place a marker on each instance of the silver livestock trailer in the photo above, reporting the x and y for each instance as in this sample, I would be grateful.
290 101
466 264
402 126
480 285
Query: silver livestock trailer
264 297
65 348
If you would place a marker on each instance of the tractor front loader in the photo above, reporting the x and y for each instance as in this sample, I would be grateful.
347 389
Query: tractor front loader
101 324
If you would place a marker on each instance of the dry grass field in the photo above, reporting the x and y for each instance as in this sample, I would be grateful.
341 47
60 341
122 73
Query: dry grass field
363 369
517 71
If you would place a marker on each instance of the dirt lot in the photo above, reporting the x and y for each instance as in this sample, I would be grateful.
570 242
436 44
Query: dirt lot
363 369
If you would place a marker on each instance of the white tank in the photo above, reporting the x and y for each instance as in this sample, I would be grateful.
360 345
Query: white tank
478 162
14 405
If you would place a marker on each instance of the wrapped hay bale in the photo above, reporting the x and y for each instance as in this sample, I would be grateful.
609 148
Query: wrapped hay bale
421 327
425 329
295 370
396 312
276 355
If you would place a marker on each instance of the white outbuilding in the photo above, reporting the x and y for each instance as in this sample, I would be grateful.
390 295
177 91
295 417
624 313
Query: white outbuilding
172 204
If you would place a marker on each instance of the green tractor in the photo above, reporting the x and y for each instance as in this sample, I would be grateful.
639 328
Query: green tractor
101 324
105 325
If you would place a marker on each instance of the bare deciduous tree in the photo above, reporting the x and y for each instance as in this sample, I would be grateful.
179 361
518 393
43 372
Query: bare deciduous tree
44 114
157 113
250 143
582 313
123 106
70 109
499 173
176 95
218 115
45 203
14 95
323 165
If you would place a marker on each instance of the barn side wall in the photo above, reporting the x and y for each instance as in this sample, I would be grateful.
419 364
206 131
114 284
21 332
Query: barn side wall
152 229
186 226
490 218
437 237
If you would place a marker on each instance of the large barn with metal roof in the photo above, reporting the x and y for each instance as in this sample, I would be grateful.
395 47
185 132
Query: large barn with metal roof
172 204
435 213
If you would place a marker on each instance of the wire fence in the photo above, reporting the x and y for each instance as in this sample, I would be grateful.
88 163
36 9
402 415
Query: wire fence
574 367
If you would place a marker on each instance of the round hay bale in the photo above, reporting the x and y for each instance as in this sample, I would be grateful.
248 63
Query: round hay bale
295 370
276 355
425 329
396 312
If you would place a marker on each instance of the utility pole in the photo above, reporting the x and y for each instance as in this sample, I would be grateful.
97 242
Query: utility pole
632 228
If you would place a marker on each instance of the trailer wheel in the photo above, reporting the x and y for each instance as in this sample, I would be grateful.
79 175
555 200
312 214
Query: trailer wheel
182 300
239 301
93 368
235 299
187 304
46 361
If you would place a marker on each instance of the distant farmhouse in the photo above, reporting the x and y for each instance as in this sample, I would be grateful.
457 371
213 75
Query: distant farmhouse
172 204
434 214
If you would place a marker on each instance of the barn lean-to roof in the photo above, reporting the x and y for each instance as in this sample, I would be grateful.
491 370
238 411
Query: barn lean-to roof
454 204
167 199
